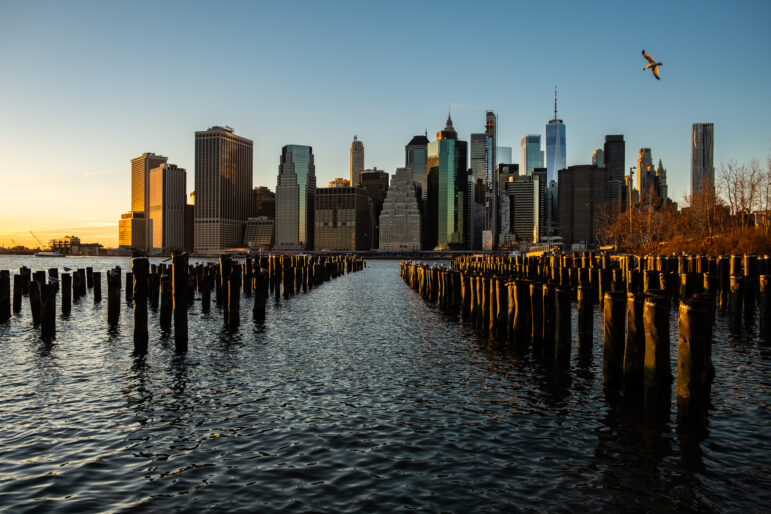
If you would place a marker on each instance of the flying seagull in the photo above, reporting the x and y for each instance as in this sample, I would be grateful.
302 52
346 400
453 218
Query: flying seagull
652 64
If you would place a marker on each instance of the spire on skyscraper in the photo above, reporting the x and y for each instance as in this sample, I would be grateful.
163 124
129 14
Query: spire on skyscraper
555 102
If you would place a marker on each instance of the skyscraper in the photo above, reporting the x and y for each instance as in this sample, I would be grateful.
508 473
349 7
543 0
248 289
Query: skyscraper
342 219
614 155
582 195
415 159
264 202
645 173
223 188
400 219
481 157
702 167
375 183
447 182
491 221
555 145
140 195
531 155
357 161
295 193
598 158
502 155
167 207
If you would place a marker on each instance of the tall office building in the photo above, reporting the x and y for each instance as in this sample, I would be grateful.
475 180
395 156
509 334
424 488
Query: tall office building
582 196
140 194
661 182
223 188
357 160
555 145
492 215
525 201
132 231
646 173
614 157
506 174
400 219
415 159
447 183
375 183
295 193
342 219
531 155
702 166
598 158
168 200
481 156
264 202
503 155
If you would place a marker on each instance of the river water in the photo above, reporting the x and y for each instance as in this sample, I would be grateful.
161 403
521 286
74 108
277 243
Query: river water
355 396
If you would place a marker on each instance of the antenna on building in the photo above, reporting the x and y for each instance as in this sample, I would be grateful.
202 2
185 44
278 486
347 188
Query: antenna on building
555 102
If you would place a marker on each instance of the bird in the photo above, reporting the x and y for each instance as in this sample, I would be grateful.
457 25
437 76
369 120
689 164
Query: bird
652 64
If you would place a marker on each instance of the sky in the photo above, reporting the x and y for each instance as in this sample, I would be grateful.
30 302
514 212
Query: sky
86 86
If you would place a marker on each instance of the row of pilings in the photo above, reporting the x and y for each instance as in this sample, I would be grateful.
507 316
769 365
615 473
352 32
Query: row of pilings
529 301
170 289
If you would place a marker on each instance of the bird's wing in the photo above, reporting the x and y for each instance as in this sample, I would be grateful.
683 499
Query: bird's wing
648 57
655 71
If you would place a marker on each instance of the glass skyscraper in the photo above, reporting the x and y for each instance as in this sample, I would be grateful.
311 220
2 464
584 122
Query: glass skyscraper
295 198
447 180
555 148
531 155
415 160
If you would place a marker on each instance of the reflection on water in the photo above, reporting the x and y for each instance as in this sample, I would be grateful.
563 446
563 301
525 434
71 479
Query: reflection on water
358 396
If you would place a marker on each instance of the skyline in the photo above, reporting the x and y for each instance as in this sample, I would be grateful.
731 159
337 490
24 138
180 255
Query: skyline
83 98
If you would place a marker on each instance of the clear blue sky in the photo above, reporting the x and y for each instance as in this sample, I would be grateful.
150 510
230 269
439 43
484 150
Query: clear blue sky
86 86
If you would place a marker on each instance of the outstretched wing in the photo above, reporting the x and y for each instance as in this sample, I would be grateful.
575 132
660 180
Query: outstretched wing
648 57
655 71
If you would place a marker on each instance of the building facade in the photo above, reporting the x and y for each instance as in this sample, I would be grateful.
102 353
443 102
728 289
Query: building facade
339 182
357 160
259 233
140 190
375 183
295 191
582 197
223 188
702 164
525 204
132 231
168 199
401 218
447 184
530 154
264 202
415 160
342 219
614 157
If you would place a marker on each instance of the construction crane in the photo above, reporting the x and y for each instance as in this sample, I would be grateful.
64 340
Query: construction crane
36 239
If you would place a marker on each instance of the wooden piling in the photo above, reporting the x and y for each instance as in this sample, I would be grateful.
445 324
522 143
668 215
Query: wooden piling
563 332
694 357
66 293
179 286
585 319
613 341
634 350
657 375
47 295
167 302
261 293
548 320
234 299
96 277
5 296
18 292
129 286
89 277
113 296
140 267
34 301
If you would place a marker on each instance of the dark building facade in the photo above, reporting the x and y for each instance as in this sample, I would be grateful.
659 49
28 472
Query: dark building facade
342 219
415 159
375 183
582 197
264 202
615 162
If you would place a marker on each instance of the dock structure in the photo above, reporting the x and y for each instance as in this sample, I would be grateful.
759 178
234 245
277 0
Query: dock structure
637 296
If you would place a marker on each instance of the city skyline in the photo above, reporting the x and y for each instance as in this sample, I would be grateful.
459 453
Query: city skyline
70 92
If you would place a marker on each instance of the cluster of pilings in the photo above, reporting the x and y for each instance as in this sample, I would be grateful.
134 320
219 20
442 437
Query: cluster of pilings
171 289
530 300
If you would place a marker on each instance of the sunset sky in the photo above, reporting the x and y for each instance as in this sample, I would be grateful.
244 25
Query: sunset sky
86 86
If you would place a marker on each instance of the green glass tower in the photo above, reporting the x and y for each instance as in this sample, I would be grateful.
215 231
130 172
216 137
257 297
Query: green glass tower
446 165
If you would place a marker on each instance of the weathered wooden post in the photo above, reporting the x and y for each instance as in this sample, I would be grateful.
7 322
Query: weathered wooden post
179 285
694 357
536 316
129 286
77 284
113 297
563 334
736 295
521 327
96 277
234 299
657 373
585 319
5 296
18 292
247 276
47 295
205 288
140 267
34 301
764 287
634 351
261 294
167 302
89 277
66 293
613 341
54 273
549 315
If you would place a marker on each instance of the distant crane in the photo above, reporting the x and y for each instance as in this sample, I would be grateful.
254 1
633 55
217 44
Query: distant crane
36 239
